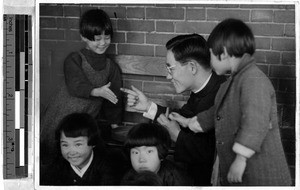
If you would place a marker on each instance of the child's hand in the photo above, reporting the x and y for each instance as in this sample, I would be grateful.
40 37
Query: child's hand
237 169
179 118
105 92
194 125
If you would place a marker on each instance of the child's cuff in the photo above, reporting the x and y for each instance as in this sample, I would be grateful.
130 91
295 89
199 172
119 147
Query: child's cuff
150 114
242 150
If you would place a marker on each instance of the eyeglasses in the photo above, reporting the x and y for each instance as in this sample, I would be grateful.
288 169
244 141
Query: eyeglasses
169 68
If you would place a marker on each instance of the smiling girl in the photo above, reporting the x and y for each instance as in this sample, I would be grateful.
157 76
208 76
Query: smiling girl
83 159
92 82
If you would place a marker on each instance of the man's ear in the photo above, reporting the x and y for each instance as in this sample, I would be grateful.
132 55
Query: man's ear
224 55
193 67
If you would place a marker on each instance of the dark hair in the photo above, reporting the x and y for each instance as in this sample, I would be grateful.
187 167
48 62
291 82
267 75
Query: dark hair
149 134
233 34
95 22
79 124
142 178
190 47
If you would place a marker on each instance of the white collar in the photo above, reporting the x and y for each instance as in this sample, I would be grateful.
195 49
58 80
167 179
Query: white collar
204 84
81 171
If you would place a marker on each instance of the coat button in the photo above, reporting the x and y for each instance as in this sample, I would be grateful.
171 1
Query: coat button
220 142
218 117
74 181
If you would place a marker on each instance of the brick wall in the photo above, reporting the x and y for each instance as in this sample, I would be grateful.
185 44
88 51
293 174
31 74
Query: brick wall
143 29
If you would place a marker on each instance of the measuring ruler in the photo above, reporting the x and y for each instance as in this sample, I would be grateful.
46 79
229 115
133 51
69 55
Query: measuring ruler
17 94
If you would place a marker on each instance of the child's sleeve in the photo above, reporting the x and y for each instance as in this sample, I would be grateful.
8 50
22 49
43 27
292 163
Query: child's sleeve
206 119
114 112
77 83
256 101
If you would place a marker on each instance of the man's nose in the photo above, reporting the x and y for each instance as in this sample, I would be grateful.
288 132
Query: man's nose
169 76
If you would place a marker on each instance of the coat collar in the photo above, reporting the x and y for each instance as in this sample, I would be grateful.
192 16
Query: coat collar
246 61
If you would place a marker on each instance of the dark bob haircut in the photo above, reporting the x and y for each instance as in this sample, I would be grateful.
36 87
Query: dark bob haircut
95 22
149 134
234 35
190 47
76 125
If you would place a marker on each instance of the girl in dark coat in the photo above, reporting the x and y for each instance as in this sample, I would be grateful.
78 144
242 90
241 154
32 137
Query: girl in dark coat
83 159
148 145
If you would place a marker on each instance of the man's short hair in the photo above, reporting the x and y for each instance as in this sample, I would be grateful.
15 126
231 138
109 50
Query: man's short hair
190 47
233 34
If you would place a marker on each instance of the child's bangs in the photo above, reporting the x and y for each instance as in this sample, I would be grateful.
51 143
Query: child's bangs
141 141
76 133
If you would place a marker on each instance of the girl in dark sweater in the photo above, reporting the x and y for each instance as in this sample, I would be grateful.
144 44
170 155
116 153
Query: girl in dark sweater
91 83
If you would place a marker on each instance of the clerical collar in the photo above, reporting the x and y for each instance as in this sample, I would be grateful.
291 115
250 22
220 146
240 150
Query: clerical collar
204 84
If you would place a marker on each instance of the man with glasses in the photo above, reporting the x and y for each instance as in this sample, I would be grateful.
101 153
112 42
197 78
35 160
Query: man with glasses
188 66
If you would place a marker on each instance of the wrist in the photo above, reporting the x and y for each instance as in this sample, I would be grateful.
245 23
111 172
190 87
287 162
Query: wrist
148 106
240 157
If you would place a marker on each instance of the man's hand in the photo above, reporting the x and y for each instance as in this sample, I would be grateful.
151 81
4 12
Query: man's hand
105 92
172 126
179 118
136 99
237 169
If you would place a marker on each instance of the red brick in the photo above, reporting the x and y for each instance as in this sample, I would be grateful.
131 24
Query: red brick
136 12
284 16
289 146
165 26
160 39
126 49
283 44
70 23
263 43
259 6
287 85
115 12
264 68
136 25
195 14
165 13
286 98
73 35
46 22
289 30
135 38
160 51
112 49
221 14
268 57
50 10
129 83
262 15
118 37
267 29
288 58
52 34
195 27
282 71
72 11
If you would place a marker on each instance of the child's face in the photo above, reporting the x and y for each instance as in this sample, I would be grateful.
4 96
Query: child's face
100 44
75 150
145 158
221 67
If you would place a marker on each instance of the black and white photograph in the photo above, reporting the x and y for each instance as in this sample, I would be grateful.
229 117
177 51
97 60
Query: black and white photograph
184 94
